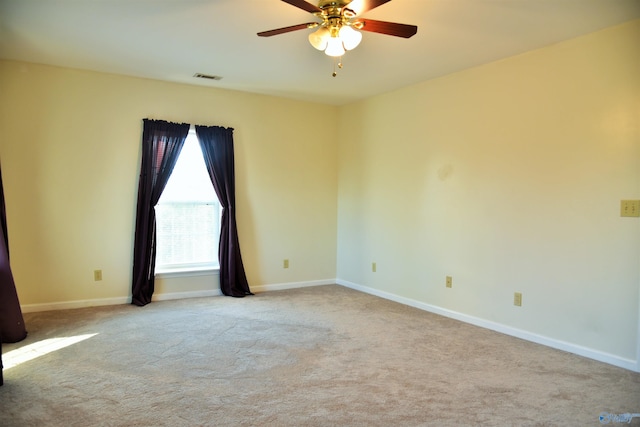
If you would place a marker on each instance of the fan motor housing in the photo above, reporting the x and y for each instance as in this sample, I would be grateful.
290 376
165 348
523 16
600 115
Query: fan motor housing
332 3
336 10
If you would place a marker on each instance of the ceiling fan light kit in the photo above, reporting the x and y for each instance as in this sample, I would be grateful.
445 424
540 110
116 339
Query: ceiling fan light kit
337 31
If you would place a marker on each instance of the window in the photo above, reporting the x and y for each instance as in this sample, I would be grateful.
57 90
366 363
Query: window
188 215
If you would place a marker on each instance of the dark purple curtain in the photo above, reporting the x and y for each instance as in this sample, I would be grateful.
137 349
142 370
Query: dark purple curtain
217 149
3 216
161 145
12 327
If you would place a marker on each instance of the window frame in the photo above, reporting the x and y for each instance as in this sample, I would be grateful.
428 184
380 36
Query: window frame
196 268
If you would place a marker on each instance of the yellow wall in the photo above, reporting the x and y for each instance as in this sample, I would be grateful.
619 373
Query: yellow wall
70 150
507 177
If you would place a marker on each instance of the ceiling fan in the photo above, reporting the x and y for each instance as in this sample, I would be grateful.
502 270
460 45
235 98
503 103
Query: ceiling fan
340 19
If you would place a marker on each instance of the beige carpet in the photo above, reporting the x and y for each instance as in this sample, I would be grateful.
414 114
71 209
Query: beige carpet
322 356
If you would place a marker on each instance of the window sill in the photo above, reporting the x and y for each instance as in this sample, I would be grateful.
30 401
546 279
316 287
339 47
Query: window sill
187 272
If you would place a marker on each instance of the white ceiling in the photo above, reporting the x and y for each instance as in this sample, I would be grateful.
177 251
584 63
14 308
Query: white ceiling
174 39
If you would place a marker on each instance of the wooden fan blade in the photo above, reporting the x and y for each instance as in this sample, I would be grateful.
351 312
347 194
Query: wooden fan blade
362 6
389 28
304 6
287 29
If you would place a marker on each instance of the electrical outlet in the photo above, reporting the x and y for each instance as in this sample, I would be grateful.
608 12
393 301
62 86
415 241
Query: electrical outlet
373 267
285 263
630 208
97 275
517 299
449 282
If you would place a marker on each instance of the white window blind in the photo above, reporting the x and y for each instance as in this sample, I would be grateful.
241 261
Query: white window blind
188 215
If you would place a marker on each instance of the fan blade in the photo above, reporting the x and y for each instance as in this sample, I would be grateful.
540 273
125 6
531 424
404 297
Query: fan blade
287 29
362 6
304 6
389 28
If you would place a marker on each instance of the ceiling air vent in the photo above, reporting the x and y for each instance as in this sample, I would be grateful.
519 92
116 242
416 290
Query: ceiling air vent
207 76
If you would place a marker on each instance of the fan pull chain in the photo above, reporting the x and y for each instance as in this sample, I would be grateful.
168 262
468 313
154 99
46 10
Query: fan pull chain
339 62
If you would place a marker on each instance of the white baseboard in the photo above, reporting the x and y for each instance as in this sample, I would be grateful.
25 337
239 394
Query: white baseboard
67 305
291 285
254 289
600 356
184 295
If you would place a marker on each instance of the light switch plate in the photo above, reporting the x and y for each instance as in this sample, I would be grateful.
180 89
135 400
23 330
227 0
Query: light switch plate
630 208
517 299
